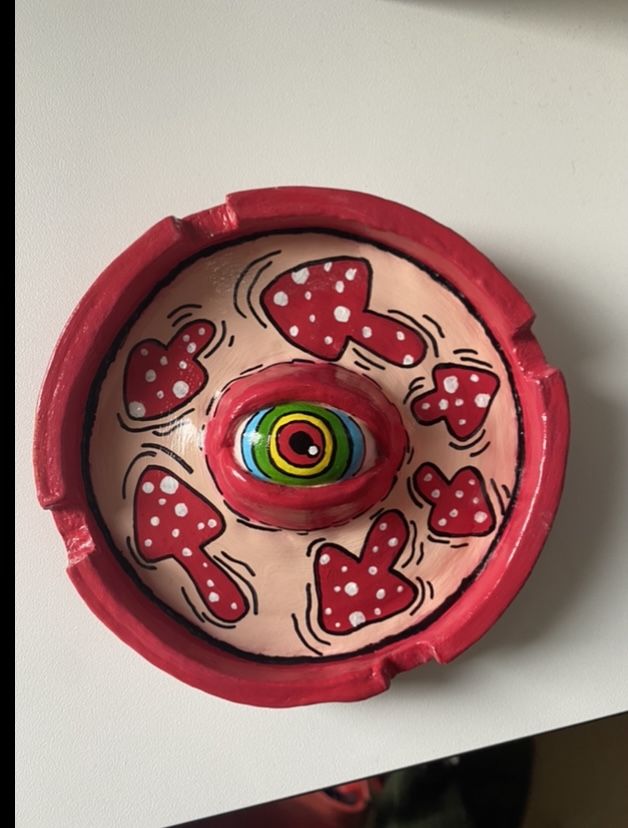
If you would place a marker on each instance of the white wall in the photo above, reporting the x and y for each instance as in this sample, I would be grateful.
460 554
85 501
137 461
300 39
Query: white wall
506 121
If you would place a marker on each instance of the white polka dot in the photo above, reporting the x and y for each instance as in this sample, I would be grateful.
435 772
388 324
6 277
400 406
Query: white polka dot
482 400
212 523
324 559
462 422
163 360
377 611
327 611
144 352
442 522
475 501
453 513
435 494
372 570
205 564
136 409
180 389
160 395
175 532
376 549
357 618
399 589
312 317
186 338
443 405
281 298
425 406
191 348
168 485
350 274
336 589
480 517
327 267
367 332
474 378
381 593
339 287
427 477
294 331
408 360
344 568
308 294
154 521
162 501
300 277
383 527
342 314
148 542
148 487
181 510
393 542
210 583
459 402
337 624
471 481
213 597
200 526
328 340
450 384
183 365
150 376
201 331
233 605
459 493
352 588
186 552
400 336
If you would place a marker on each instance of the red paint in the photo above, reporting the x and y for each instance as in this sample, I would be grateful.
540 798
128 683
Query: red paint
460 507
86 339
317 506
319 306
160 378
354 591
173 521
461 398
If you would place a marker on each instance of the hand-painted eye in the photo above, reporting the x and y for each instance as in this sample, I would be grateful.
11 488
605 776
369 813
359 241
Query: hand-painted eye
302 444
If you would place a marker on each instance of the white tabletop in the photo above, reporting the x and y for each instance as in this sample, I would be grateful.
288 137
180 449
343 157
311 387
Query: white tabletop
505 121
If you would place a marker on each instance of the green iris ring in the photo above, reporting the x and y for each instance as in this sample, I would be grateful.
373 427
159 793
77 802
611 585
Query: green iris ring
341 454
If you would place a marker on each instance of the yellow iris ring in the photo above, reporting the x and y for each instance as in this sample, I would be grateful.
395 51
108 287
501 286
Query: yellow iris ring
298 471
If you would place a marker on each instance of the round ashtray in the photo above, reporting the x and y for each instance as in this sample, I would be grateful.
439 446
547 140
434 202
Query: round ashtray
298 443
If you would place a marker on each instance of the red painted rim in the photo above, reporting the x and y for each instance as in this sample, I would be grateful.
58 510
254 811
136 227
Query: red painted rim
115 598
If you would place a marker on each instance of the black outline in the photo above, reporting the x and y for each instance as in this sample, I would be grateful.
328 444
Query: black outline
308 613
261 528
372 362
297 630
361 365
181 307
242 275
454 366
390 568
422 591
423 330
413 495
254 605
248 568
439 329
231 341
466 351
165 346
449 484
173 456
474 361
181 318
467 446
144 429
130 467
480 451
116 345
221 339
174 428
136 555
249 293
498 495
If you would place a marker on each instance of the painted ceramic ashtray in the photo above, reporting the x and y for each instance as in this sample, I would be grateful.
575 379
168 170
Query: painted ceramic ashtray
298 443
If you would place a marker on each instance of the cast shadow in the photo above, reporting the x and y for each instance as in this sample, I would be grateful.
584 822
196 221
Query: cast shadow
573 556
581 18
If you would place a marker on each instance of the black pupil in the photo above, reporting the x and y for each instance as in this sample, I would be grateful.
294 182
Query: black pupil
300 442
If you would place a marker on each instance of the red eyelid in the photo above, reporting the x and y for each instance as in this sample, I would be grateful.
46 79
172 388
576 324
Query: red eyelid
312 507
317 384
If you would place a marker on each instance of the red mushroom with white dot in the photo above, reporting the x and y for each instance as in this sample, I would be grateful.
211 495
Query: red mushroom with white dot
159 379
320 306
461 506
461 398
353 592
173 521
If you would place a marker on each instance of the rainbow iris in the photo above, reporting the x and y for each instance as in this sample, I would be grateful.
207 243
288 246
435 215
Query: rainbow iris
300 444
